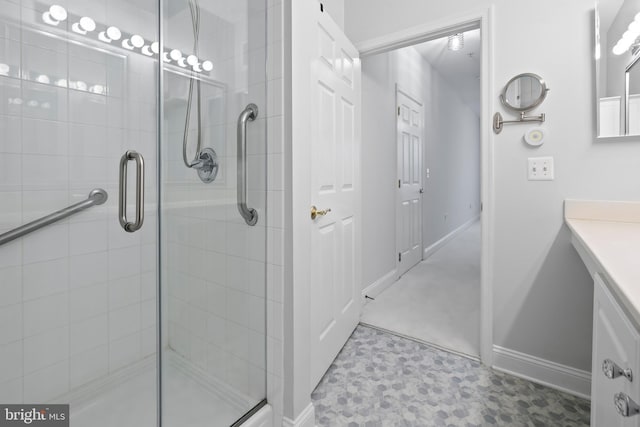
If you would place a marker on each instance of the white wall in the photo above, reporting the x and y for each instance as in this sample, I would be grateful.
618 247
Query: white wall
451 151
542 292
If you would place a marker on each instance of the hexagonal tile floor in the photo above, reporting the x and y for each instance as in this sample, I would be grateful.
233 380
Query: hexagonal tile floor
380 379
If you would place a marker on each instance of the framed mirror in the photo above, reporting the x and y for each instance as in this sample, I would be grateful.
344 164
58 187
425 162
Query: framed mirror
524 92
617 50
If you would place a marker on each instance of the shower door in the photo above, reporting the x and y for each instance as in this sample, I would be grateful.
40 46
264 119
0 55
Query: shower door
213 296
78 302
141 101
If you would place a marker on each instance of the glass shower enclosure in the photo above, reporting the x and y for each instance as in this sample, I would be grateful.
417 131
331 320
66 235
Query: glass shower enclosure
132 209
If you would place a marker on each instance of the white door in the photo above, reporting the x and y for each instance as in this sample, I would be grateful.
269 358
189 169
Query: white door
335 169
409 200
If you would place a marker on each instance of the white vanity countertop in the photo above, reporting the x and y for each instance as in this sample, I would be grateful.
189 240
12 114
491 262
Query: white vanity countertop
609 234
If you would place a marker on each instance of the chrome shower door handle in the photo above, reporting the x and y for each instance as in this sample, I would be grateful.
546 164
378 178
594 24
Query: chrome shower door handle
248 114
122 205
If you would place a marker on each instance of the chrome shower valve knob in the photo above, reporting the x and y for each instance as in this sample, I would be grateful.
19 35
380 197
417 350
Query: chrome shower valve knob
612 371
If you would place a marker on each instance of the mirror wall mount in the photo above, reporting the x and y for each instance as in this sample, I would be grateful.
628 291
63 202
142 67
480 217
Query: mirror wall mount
521 94
498 122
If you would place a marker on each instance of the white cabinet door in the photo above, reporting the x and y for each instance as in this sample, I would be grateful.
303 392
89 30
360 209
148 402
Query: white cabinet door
616 339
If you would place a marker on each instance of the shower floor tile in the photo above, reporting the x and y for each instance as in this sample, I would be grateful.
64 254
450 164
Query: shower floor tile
380 379
132 403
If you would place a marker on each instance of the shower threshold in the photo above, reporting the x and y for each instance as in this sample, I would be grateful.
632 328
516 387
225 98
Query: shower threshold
129 399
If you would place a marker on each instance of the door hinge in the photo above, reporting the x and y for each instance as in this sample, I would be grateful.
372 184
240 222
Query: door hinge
398 110
399 256
321 7
481 207
399 184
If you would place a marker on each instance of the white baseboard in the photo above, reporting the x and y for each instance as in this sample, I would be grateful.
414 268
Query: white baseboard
307 418
440 243
374 289
541 371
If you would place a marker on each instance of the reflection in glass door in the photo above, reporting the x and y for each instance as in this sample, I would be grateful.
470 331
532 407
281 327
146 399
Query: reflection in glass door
213 257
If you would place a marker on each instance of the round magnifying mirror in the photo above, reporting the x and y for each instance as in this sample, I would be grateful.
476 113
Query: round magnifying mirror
524 92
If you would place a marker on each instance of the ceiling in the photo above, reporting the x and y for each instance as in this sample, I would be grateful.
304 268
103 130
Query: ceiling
461 69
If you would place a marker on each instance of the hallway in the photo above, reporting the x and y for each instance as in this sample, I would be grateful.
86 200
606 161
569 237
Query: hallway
438 300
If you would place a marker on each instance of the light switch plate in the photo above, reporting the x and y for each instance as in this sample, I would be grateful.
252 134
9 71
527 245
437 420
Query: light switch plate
540 169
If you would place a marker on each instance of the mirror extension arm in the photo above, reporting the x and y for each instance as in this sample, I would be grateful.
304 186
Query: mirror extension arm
498 122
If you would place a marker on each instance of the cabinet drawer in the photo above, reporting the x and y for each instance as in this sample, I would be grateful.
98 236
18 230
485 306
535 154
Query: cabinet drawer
614 339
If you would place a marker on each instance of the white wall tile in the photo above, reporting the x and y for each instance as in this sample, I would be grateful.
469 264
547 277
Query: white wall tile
88 140
88 334
88 366
10 172
148 342
238 373
124 322
148 314
11 390
217 300
198 352
47 243
237 307
124 351
124 292
11 366
86 173
88 301
10 323
10 209
237 339
87 237
39 63
10 286
217 362
11 129
44 102
44 137
88 269
45 314
10 91
87 108
45 278
43 385
124 262
38 203
46 349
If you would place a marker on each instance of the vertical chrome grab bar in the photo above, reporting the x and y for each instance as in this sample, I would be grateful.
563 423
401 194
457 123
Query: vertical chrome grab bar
249 114
122 205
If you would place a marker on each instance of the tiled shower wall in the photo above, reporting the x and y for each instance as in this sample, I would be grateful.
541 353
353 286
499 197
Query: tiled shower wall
77 299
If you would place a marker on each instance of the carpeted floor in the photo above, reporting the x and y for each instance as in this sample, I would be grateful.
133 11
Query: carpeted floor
380 379
438 300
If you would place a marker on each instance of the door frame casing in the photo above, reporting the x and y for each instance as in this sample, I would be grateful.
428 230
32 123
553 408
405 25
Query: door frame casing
483 19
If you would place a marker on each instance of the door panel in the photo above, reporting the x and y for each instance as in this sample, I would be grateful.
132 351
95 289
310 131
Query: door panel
409 204
335 150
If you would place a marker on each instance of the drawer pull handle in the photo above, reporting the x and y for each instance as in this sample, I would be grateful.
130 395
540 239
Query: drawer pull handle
612 370
625 405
